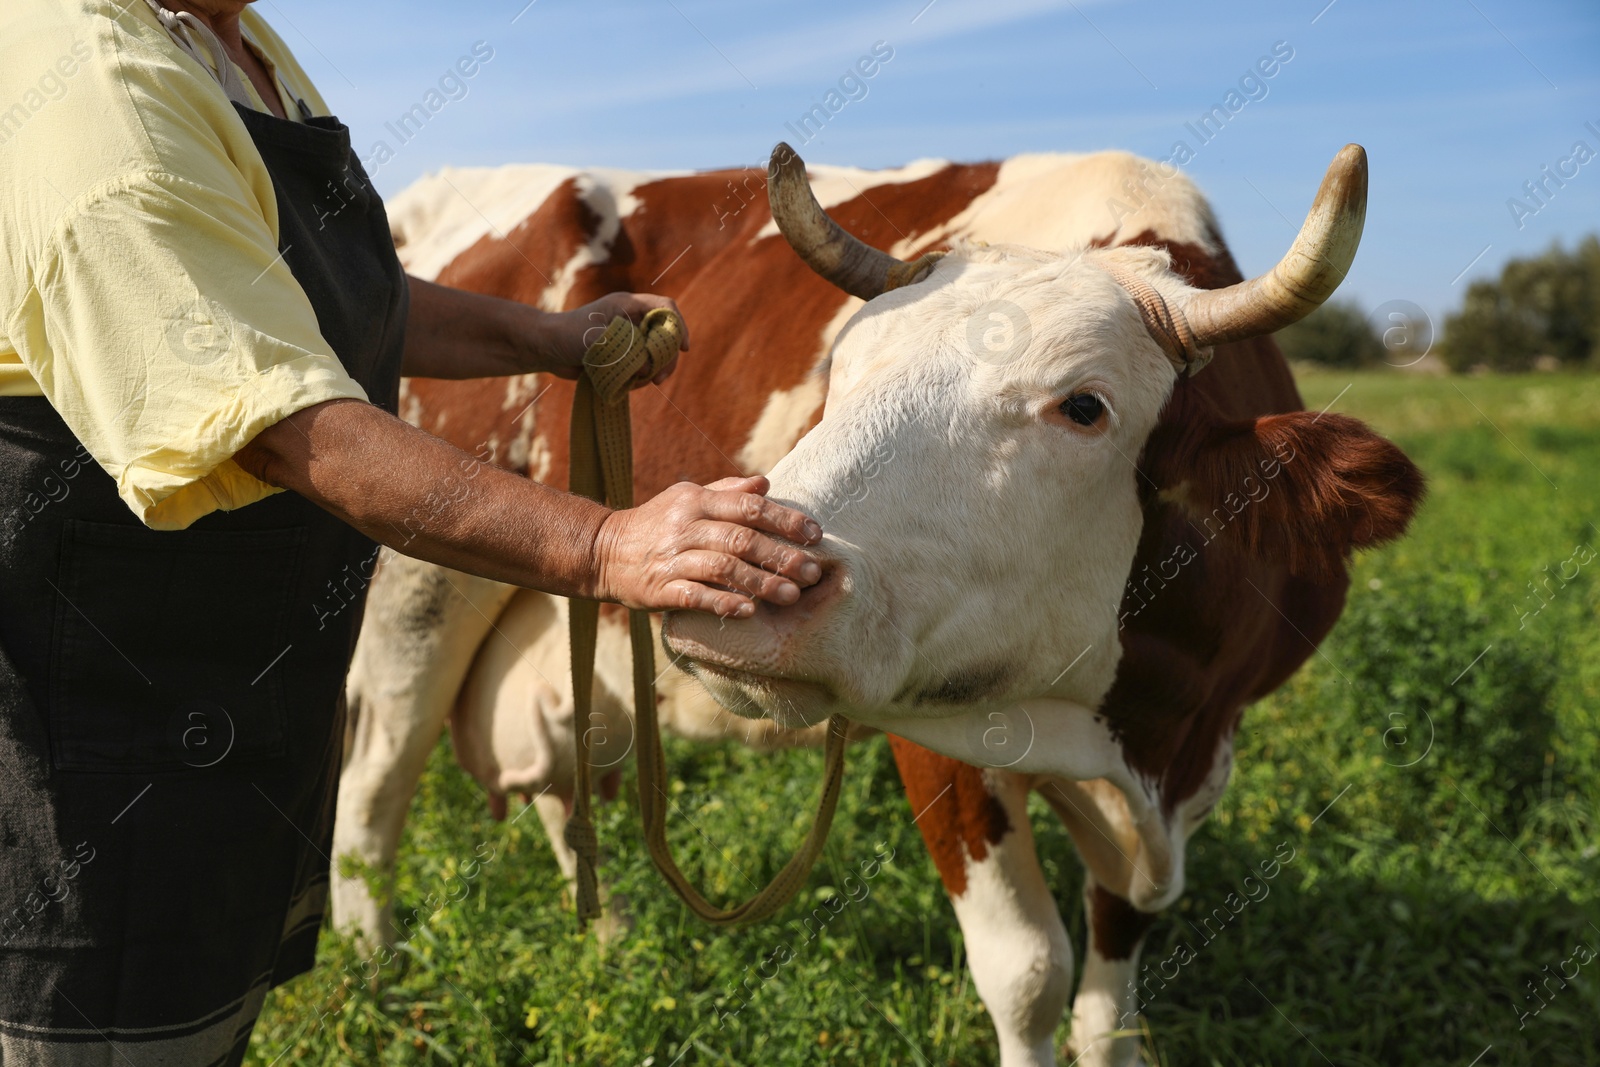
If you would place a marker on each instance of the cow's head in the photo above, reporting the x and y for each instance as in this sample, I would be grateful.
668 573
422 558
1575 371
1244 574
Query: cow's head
975 470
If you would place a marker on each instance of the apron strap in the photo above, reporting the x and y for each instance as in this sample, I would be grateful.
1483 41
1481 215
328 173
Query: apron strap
184 28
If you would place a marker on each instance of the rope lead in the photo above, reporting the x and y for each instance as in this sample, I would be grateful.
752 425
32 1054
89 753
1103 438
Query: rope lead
602 469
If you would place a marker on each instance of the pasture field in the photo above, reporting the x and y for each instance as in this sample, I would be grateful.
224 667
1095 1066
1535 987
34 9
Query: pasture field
1435 773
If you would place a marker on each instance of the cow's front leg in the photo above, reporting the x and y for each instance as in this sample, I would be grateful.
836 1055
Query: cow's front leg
1105 1013
975 824
1121 897
423 625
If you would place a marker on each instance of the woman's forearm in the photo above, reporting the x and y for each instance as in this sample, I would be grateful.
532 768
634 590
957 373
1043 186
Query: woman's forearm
422 496
451 333
690 547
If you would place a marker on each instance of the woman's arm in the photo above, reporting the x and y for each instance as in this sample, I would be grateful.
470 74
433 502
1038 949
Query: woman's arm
687 548
451 333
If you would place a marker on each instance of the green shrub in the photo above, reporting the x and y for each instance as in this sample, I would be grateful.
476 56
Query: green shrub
1546 305
1337 334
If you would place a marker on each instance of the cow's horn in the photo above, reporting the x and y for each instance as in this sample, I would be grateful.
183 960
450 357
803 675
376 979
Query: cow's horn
846 261
1303 279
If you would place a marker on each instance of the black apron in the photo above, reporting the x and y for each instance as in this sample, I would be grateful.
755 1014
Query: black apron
171 712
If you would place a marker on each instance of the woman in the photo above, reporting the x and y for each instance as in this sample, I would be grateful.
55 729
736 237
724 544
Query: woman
188 329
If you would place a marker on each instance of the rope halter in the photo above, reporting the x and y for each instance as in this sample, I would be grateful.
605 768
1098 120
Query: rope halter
1166 323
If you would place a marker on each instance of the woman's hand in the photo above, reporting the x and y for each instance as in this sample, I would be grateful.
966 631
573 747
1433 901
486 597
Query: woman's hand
570 333
701 547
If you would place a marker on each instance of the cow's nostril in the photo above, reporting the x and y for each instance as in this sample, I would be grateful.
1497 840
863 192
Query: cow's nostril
829 585
826 588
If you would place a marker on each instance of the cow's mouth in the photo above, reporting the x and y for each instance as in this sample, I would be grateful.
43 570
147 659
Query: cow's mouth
790 702
771 666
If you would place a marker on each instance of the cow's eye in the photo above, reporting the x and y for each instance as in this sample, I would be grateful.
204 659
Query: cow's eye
1084 409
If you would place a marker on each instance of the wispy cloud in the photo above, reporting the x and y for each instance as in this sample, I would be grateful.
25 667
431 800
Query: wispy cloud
796 54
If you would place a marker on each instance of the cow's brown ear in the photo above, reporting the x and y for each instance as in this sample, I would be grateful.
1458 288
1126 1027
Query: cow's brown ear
1300 488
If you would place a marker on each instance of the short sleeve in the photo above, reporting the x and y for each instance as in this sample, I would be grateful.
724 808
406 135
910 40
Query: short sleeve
166 329
141 287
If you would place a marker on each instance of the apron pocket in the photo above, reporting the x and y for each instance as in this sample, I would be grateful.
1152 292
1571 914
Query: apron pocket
164 645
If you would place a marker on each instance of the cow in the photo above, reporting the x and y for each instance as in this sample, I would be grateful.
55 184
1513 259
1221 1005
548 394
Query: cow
1059 556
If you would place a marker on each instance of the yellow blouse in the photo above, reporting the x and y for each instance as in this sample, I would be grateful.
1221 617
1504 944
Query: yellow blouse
141 289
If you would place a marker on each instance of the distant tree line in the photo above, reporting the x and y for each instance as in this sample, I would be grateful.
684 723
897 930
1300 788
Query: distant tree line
1337 334
1546 306
1543 312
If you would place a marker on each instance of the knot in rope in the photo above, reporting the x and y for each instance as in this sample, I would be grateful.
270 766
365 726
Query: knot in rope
626 353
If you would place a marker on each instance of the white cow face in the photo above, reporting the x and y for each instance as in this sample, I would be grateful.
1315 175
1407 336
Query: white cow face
974 476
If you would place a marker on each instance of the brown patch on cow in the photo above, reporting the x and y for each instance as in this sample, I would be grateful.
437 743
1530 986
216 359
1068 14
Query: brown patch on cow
888 214
1202 639
1194 263
1197 641
1116 927
521 266
958 816
668 237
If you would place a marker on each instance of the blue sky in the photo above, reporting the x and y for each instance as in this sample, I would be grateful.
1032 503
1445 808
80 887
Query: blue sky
1458 102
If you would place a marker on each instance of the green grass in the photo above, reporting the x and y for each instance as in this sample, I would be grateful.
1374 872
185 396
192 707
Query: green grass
1417 906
